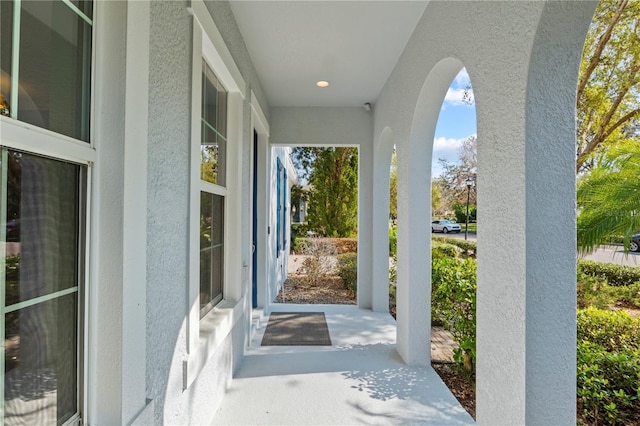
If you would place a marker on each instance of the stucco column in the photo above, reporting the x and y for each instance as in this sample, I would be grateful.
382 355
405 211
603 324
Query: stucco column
414 254
365 223
380 234
526 343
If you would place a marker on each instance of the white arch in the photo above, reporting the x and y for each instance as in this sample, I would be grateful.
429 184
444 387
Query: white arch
413 294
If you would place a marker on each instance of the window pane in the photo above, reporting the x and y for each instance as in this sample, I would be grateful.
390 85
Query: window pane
55 58
214 128
6 40
43 223
210 97
211 250
212 157
85 6
41 358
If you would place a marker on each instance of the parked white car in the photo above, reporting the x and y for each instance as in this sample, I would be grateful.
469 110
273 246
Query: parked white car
445 226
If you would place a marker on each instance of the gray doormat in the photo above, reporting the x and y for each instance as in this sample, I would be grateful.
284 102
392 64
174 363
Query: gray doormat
296 329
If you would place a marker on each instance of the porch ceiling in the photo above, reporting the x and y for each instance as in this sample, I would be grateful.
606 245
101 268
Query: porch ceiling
352 44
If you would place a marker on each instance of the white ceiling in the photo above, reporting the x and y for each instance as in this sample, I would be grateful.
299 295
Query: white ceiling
352 44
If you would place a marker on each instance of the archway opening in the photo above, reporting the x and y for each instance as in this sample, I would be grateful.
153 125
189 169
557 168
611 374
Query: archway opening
453 228
322 226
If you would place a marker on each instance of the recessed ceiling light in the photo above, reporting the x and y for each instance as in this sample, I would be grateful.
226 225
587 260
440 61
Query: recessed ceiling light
322 83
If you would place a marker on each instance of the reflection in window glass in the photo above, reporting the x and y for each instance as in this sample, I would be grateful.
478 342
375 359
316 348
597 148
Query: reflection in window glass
41 373
43 277
214 129
43 221
55 59
6 39
211 250
85 6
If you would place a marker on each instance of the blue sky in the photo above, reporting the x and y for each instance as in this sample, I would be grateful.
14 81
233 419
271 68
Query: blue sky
457 121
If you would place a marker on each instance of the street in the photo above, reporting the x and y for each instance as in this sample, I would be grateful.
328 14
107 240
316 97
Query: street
606 254
614 254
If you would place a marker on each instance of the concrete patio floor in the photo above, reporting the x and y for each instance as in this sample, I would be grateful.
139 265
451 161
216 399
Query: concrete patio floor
360 379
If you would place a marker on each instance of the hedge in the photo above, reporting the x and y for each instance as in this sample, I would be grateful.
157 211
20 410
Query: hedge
608 367
616 275
342 245
348 270
469 247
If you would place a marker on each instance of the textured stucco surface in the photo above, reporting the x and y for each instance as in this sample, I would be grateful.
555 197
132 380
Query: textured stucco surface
525 179
168 212
550 165
168 206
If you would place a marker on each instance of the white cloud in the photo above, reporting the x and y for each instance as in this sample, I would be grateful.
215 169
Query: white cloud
446 148
455 93
462 79
454 97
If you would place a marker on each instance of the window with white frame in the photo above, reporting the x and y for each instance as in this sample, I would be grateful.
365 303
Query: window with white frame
45 61
212 189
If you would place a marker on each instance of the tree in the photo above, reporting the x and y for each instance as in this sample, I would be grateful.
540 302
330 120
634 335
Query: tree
436 197
332 174
608 96
453 180
609 198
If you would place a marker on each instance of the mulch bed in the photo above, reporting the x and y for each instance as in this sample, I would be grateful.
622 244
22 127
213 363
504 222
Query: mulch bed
459 386
329 291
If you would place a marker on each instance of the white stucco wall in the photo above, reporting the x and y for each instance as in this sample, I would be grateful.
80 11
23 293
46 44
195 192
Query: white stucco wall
140 276
277 261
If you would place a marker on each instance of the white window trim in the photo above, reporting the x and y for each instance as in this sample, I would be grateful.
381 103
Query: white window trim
205 335
22 136
35 140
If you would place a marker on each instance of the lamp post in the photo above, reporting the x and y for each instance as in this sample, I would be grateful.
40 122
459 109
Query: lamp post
469 183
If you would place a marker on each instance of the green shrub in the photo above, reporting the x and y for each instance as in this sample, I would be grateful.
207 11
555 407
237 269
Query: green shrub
393 271
594 291
607 384
608 366
613 330
591 291
299 244
460 210
454 303
393 240
348 270
441 249
615 274
298 230
469 247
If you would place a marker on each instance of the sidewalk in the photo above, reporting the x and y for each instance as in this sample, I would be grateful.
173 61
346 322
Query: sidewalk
360 379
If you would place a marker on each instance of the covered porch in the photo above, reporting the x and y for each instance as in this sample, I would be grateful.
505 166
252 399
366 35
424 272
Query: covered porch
359 379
